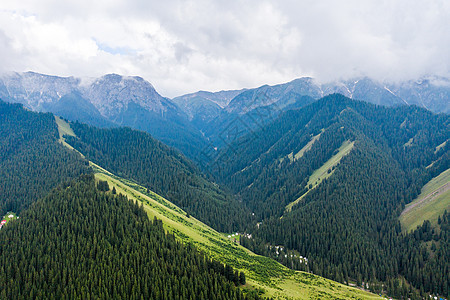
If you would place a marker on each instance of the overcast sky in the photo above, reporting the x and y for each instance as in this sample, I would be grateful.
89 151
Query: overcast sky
185 46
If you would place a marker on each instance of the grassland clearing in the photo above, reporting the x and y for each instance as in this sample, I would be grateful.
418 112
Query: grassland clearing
433 200
64 129
307 147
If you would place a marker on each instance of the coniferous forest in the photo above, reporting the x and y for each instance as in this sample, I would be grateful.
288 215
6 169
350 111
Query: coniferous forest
80 243
32 162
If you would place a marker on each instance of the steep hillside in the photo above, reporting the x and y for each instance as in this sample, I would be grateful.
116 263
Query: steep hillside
81 243
346 220
136 155
32 161
76 242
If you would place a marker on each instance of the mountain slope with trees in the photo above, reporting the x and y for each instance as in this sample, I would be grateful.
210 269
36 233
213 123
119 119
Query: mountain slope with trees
32 162
81 243
348 224
136 155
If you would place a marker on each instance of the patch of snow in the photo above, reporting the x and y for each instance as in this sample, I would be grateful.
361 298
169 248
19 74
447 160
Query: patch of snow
387 89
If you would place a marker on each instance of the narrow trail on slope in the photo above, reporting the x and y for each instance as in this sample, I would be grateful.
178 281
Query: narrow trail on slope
428 198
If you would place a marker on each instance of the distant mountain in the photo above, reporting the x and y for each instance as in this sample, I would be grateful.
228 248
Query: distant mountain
200 123
277 94
431 93
111 100
202 107
223 122
221 98
73 106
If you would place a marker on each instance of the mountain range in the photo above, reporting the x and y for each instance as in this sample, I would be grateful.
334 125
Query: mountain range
108 101
199 123
297 176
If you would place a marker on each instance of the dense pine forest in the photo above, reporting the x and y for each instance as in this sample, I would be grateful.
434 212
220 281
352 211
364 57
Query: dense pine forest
346 224
136 155
32 162
81 243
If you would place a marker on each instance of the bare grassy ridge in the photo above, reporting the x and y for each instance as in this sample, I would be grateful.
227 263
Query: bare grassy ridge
430 204
322 173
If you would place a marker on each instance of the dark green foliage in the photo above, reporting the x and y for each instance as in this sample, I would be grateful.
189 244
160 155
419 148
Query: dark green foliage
103 186
32 162
242 279
348 225
79 243
136 155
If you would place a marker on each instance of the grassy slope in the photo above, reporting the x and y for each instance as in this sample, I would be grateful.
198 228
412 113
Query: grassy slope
430 204
322 173
440 146
64 129
261 272
304 149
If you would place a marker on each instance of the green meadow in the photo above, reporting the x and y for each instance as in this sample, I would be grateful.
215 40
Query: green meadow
433 200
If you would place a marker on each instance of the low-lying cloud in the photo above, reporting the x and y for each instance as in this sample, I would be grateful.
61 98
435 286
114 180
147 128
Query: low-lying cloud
184 46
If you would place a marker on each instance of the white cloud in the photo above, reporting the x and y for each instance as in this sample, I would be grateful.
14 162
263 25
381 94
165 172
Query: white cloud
184 46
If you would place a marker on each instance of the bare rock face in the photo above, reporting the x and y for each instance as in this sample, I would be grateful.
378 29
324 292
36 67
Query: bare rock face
110 94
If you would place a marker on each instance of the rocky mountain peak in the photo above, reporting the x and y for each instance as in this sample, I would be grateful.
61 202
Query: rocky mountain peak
112 93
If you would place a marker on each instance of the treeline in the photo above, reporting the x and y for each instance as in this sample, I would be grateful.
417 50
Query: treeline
136 155
81 243
32 162
348 225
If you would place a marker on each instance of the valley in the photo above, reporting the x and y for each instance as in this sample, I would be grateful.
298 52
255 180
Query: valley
263 274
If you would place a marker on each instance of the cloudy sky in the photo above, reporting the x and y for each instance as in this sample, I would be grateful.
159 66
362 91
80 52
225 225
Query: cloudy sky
185 46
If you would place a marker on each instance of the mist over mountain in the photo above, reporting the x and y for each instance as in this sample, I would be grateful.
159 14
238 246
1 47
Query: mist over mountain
431 93
253 109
